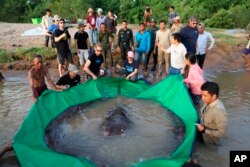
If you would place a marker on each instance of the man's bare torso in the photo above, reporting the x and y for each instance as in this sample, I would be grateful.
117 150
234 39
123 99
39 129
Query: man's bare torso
38 75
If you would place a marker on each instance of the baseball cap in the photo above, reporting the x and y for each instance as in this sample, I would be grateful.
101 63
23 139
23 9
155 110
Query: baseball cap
202 25
73 68
81 25
99 10
153 20
56 17
131 54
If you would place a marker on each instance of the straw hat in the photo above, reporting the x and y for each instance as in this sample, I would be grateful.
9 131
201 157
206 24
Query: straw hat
90 10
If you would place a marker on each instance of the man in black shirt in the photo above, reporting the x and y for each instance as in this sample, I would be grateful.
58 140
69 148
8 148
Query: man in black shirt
62 39
82 43
125 40
71 78
94 65
189 35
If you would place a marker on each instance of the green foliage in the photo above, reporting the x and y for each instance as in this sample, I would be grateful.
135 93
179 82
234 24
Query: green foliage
28 53
4 56
210 11
222 19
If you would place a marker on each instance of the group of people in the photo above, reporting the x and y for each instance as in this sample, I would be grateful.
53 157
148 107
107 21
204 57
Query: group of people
182 48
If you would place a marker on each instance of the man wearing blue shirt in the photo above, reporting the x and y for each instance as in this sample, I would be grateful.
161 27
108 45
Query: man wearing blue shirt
189 35
142 45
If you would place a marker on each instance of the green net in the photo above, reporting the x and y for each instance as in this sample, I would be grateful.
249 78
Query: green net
29 142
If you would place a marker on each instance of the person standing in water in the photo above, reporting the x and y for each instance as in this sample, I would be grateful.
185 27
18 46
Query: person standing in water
36 78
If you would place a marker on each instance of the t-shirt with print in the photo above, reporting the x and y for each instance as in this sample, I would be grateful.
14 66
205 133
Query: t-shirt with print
92 21
96 62
81 38
130 67
66 80
178 53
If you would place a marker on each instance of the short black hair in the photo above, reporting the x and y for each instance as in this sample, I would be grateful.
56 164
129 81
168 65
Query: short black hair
162 21
148 9
110 11
62 20
47 10
124 21
142 24
103 24
211 87
37 57
171 6
177 36
191 57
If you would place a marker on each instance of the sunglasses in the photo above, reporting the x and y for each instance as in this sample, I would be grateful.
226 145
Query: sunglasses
99 50
195 23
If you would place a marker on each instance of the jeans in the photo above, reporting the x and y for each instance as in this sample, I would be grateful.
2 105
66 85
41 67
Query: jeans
139 55
174 71
93 33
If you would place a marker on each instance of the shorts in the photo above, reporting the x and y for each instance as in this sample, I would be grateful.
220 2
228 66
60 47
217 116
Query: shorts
62 56
37 91
246 51
83 56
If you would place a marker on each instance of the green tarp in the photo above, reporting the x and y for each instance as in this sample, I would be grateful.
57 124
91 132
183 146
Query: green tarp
29 142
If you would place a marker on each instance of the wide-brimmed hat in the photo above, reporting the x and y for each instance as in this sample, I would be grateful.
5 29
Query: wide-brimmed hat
56 17
73 68
131 54
90 10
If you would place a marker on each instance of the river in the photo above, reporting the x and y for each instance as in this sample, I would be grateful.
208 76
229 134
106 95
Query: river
15 102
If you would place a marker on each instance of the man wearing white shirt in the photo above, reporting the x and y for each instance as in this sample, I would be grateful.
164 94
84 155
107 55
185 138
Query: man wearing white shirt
47 20
202 44
178 52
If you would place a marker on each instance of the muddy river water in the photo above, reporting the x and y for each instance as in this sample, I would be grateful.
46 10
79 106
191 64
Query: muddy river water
154 125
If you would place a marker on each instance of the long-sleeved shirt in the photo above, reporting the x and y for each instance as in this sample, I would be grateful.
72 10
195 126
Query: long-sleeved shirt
202 42
195 78
214 119
189 38
144 40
